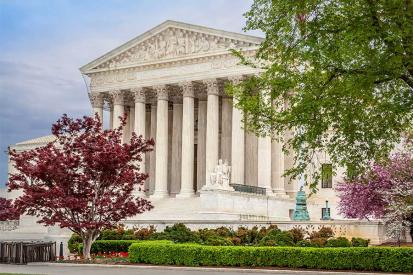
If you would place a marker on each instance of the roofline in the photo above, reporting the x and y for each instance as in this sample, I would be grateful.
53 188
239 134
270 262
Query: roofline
161 27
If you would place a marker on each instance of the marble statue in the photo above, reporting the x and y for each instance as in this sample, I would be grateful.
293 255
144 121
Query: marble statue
221 177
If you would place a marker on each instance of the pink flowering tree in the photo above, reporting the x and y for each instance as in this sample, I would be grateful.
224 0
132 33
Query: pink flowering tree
84 180
7 211
384 192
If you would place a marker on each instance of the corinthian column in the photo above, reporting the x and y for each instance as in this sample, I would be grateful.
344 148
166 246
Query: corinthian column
97 104
212 134
238 140
188 146
176 145
118 107
140 117
264 164
277 169
201 140
161 143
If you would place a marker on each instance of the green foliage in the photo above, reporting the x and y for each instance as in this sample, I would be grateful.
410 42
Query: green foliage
110 234
324 232
104 246
276 237
222 236
306 243
358 258
338 242
359 242
177 233
218 241
348 87
144 233
298 234
74 242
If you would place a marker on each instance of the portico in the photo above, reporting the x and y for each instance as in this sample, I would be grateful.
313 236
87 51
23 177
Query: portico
170 83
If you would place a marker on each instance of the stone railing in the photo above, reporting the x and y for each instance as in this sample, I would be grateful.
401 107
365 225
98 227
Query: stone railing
9 225
248 189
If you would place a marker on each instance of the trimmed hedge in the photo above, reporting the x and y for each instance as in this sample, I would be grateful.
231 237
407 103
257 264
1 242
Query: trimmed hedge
352 258
105 246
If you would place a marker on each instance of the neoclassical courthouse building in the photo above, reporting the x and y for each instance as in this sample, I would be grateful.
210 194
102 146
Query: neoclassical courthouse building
170 82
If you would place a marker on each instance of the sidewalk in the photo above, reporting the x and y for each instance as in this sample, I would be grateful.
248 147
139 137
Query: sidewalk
100 269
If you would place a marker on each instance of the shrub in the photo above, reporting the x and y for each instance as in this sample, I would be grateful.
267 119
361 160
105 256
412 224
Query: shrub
277 237
306 243
223 231
298 234
110 234
324 232
74 242
218 241
144 233
353 258
179 233
338 242
236 241
129 237
205 233
106 246
318 242
359 242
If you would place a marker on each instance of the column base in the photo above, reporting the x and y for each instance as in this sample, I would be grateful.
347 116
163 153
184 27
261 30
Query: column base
185 194
159 195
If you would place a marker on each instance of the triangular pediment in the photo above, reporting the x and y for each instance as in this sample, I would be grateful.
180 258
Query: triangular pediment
172 40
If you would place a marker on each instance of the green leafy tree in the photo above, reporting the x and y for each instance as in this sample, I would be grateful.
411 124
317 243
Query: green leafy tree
337 75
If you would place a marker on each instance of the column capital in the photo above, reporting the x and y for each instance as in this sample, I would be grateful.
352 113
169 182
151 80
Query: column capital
139 94
161 92
212 86
188 89
96 99
117 97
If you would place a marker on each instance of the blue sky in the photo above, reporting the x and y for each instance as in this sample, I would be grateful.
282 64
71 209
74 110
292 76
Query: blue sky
44 42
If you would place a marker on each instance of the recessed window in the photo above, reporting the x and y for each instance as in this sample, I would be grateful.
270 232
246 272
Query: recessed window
326 175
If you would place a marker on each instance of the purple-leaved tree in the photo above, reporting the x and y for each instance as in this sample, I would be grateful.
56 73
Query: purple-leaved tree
384 192
84 180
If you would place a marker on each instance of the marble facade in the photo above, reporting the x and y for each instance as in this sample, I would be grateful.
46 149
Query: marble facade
170 82
172 78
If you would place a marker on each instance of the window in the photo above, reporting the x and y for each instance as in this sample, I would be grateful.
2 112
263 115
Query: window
325 213
326 175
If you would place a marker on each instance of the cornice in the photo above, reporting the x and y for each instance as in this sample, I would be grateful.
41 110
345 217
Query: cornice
165 63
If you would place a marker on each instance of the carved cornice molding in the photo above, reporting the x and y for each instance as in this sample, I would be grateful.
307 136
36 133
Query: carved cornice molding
137 74
139 94
161 92
96 99
212 86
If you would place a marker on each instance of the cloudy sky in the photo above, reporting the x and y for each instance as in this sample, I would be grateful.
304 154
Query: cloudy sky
44 42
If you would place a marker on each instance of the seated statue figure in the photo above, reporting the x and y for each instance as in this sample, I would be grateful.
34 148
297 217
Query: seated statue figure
220 178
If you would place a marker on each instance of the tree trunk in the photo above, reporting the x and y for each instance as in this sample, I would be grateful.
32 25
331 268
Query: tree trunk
88 239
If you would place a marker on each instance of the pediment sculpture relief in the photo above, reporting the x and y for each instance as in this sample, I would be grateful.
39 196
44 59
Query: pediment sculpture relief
171 43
